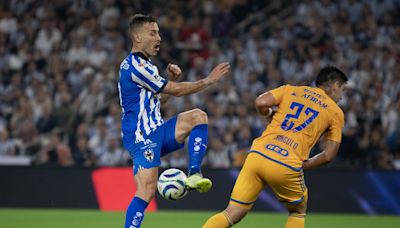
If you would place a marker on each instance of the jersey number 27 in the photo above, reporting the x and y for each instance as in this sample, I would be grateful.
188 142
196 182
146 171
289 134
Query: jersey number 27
288 125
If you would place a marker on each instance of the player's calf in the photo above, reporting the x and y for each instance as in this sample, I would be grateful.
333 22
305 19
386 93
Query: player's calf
235 213
194 124
146 182
227 218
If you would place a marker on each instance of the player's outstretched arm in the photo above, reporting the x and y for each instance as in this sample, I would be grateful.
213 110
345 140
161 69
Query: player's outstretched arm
185 88
326 156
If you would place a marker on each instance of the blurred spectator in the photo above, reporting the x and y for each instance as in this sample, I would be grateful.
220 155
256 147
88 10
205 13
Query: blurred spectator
82 154
47 38
92 100
98 137
55 152
178 159
46 121
8 146
65 113
113 154
218 156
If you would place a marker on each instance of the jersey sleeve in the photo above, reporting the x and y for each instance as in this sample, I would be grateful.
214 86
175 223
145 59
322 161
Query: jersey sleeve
335 129
142 74
279 92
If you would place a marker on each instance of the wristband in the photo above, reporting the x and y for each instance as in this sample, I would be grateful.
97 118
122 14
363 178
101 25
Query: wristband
270 111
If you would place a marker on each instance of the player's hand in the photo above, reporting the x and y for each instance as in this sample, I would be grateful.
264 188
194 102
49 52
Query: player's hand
304 164
174 72
270 115
218 72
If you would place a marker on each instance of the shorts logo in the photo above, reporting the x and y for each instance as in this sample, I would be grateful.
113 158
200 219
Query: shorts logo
149 155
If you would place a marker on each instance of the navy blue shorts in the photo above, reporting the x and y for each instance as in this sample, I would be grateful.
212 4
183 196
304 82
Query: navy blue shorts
160 142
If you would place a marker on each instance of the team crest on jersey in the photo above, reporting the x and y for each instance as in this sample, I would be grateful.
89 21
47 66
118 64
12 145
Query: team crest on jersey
149 155
157 77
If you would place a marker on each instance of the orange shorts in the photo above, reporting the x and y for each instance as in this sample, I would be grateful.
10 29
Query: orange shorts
258 170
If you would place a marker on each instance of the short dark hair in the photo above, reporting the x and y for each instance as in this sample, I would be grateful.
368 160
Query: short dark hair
138 20
329 74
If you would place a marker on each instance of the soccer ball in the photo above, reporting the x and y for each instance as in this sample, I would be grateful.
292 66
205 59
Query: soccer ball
171 184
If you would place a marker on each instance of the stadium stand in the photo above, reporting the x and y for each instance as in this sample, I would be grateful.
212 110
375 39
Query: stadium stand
59 65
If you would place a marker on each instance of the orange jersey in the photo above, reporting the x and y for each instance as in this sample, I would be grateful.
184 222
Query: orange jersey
303 115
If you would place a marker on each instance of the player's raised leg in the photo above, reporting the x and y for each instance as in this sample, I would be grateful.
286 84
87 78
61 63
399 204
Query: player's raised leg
146 184
194 124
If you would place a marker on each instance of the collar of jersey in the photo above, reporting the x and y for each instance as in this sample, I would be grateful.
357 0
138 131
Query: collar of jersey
141 55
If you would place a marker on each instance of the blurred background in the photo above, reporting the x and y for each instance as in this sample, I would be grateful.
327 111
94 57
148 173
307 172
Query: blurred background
59 64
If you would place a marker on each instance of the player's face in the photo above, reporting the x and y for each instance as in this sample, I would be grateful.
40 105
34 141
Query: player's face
338 90
151 39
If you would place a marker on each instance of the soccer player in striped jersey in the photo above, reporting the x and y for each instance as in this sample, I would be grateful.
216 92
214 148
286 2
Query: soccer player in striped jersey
280 154
144 133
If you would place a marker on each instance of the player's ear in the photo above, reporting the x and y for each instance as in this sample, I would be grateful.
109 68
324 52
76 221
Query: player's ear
336 86
137 37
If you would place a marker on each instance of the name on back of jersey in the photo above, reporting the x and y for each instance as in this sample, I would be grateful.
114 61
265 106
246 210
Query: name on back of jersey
312 96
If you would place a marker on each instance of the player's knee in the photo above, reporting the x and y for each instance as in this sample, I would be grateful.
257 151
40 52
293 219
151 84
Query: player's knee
298 215
198 116
300 208
235 214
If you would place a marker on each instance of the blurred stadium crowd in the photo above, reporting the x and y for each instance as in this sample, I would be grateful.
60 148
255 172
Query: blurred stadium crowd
59 64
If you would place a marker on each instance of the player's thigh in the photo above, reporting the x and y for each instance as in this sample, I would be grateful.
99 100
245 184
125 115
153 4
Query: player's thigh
145 154
186 121
169 142
287 184
248 184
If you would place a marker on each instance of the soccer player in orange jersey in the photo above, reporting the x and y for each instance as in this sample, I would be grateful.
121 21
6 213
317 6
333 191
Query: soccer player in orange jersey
279 156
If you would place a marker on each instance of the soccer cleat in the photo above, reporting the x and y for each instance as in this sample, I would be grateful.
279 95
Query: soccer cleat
198 182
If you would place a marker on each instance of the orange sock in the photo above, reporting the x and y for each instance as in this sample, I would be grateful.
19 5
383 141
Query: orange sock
217 221
295 221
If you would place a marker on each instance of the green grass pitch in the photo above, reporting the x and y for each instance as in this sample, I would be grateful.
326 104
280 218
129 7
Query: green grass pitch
60 218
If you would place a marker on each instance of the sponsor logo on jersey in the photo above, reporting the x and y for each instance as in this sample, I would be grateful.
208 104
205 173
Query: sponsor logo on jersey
277 149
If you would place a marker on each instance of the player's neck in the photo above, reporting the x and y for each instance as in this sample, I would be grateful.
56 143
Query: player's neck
327 91
137 49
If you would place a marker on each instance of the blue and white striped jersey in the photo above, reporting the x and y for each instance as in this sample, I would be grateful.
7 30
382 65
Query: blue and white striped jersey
139 87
